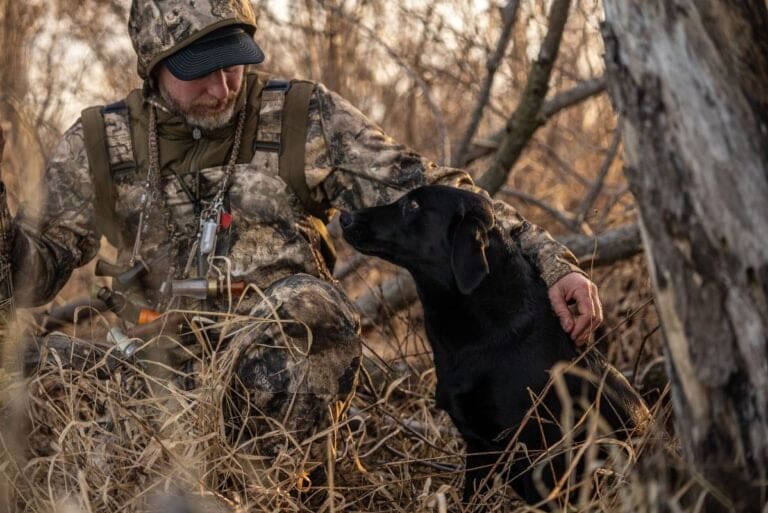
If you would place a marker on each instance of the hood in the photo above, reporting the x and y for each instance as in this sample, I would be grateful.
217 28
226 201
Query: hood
159 28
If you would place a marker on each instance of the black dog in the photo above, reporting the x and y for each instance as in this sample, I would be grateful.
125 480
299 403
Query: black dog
493 333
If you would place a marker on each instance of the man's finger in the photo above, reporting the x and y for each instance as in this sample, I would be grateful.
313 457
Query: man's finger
585 316
583 320
560 308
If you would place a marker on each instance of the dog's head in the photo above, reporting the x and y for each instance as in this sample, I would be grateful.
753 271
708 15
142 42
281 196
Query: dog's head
438 233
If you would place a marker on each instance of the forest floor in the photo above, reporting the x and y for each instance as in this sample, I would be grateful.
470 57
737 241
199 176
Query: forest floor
111 437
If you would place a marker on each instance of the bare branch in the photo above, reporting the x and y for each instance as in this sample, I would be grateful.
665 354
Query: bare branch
562 217
394 295
482 147
572 96
597 186
607 248
526 119
508 15
437 113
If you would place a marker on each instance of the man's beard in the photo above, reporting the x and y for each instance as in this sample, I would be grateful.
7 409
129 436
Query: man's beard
207 115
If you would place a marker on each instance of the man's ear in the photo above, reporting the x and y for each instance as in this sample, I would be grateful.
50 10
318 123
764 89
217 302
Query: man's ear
468 261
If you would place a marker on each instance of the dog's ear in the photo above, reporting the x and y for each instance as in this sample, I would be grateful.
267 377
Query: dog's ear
468 261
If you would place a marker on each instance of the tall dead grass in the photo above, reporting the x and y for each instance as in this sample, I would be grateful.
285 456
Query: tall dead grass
96 431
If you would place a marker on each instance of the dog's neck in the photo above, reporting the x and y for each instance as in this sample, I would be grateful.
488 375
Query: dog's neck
508 297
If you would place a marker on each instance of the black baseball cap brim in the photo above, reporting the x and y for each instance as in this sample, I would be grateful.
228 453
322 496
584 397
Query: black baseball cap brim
228 46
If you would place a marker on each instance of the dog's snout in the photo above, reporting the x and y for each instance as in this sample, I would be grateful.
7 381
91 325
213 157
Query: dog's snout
346 219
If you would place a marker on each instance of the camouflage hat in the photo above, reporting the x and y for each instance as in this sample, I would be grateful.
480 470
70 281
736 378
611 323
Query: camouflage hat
228 46
160 28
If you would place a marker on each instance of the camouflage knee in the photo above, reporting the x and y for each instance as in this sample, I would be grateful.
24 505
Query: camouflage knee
298 355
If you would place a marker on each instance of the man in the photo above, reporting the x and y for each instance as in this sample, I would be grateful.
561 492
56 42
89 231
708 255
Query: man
186 179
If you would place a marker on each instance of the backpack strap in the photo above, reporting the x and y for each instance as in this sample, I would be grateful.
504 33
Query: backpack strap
294 141
282 138
281 135
97 150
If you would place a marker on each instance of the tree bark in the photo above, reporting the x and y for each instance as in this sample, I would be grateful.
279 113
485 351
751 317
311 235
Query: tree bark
690 80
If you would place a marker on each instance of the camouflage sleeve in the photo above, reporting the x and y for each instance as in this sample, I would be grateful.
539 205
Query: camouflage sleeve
352 163
55 233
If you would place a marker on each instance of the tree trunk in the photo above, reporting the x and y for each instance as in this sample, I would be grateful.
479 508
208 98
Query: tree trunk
690 80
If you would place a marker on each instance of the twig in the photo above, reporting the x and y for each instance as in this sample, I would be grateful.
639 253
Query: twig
608 247
572 96
508 15
483 147
433 107
526 118
565 169
597 186
640 353
562 217
437 466
382 408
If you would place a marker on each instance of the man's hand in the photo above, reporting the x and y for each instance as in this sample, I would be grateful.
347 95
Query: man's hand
577 290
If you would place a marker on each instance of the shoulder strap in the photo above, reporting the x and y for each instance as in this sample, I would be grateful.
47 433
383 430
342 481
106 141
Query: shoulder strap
281 136
94 134
293 142
281 139
292 166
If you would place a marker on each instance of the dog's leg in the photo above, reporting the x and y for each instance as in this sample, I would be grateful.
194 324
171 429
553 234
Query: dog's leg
477 481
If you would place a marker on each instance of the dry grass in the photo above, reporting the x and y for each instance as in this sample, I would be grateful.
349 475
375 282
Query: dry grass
115 434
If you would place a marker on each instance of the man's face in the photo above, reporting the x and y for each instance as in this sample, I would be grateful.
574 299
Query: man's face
207 102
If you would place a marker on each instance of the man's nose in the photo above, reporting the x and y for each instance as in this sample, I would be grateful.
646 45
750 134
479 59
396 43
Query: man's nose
216 85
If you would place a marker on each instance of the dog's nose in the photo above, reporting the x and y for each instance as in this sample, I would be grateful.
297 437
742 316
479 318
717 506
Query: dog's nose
346 219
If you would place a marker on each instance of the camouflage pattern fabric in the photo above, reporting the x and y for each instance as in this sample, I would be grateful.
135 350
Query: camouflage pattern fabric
281 372
349 161
288 373
294 346
119 144
159 28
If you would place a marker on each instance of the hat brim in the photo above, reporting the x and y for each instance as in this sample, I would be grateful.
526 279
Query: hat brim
231 46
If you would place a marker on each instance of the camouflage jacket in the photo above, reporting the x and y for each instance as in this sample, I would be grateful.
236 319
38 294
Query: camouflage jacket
350 163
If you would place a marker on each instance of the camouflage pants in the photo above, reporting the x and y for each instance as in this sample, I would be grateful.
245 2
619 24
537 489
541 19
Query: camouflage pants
296 354
261 387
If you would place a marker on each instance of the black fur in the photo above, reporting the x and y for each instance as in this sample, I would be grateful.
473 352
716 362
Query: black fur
493 334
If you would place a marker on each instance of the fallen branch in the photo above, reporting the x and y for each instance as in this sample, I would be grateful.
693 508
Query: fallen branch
607 248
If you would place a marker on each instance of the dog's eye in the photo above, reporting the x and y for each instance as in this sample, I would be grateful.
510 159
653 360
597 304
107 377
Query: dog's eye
411 207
